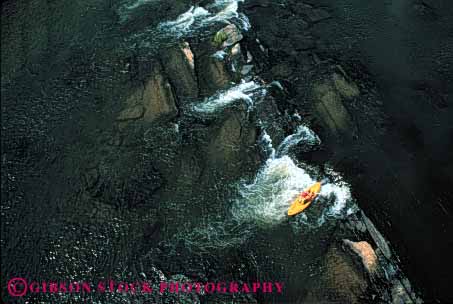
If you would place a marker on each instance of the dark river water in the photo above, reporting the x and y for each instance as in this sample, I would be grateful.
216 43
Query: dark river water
77 206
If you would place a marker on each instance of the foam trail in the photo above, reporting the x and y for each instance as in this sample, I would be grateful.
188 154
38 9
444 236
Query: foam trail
266 143
203 239
198 17
244 91
266 200
303 134
184 22
125 10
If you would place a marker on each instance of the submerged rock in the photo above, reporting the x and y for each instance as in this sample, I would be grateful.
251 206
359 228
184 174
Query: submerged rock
132 113
345 88
341 282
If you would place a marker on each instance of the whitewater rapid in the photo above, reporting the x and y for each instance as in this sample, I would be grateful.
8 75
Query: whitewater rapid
195 20
266 200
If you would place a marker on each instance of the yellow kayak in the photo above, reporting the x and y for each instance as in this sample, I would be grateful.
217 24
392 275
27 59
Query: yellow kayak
304 199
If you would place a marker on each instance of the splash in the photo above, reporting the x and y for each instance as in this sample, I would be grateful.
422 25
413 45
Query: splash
184 23
266 200
265 142
245 91
303 134
197 18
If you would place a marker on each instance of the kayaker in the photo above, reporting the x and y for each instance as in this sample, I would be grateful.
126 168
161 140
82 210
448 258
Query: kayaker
307 195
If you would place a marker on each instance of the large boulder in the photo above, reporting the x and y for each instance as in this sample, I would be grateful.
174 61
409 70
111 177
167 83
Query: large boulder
366 254
228 36
213 74
343 281
158 98
329 103
152 100
179 64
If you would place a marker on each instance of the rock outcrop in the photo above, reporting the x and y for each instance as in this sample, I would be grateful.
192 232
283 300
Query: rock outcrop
342 282
329 96
154 100
366 253
179 65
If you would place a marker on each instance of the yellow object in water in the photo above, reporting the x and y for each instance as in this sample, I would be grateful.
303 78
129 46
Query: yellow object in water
304 199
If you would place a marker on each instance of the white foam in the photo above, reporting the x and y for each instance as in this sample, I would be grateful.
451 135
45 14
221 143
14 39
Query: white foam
265 142
220 55
243 91
138 3
184 22
266 200
303 134
198 17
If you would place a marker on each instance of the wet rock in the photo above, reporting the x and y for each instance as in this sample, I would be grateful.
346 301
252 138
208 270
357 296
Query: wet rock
345 88
132 113
231 142
366 254
158 98
213 74
154 99
402 293
232 35
179 66
331 110
377 237
282 70
246 69
302 42
342 282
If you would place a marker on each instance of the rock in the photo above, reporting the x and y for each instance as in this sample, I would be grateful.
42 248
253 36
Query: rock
282 70
402 293
366 254
227 150
377 237
158 98
230 35
330 108
213 74
153 100
341 282
246 69
303 42
179 65
132 113
345 88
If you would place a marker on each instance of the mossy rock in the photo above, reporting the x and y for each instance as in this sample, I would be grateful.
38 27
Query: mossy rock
219 38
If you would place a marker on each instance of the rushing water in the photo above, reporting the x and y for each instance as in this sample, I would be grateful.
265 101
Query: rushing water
260 205
257 206
245 91
195 21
